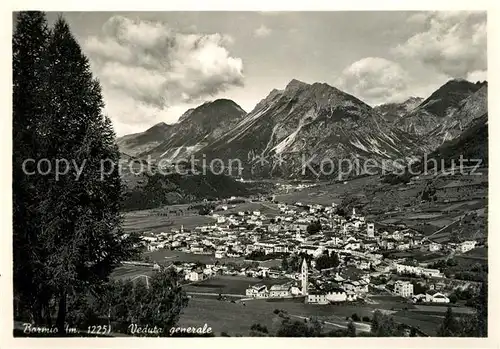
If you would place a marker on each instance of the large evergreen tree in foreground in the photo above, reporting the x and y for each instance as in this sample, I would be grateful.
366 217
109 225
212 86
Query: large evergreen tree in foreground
82 218
67 230
29 44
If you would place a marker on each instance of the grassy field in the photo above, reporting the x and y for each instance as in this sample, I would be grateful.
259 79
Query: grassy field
441 309
266 208
328 193
230 284
272 263
128 272
236 318
149 220
479 253
164 256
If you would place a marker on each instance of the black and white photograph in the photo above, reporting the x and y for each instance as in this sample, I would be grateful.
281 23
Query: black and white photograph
249 174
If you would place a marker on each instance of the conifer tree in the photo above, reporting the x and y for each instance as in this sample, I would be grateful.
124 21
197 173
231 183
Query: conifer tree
81 215
351 329
375 325
449 327
29 43
482 310
67 235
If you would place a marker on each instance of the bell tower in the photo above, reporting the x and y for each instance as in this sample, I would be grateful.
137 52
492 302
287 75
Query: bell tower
304 279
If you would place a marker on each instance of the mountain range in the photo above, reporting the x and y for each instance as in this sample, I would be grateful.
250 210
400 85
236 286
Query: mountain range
308 123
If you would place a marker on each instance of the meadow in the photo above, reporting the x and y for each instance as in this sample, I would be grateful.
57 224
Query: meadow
152 221
165 256
230 284
236 318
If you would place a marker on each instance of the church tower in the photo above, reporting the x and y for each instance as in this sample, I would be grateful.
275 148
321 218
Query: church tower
304 279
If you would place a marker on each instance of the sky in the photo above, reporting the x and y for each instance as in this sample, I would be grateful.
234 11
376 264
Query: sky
153 66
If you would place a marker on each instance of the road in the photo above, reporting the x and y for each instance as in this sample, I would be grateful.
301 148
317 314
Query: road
269 206
359 326
216 294
440 230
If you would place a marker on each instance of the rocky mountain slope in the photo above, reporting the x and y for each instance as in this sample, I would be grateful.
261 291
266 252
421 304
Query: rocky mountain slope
471 144
393 111
469 109
311 130
137 143
438 107
471 147
197 128
314 124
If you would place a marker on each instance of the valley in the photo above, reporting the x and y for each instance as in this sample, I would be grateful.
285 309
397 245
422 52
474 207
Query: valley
411 226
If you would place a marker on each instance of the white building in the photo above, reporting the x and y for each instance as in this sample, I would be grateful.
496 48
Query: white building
410 269
335 241
281 249
433 247
370 229
337 295
194 276
352 246
317 298
151 247
407 269
257 291
467 246
312 250
431 272
280 291
403 246
403 288
436 297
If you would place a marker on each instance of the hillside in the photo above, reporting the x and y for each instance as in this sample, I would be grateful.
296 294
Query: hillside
471 145
439 106
393 111
469 109
314 131
159 190
137 143
197 128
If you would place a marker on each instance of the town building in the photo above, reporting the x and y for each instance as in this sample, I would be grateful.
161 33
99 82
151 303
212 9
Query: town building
433 247
467 246
403 288
436 297
280 291
316 298
257 291
370 230
195 276
336 295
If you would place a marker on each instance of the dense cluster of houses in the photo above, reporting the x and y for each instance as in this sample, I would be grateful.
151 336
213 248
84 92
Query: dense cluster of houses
305 230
